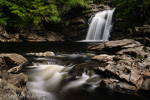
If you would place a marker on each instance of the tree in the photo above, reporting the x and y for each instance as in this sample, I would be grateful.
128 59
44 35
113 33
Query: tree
33 13
133 12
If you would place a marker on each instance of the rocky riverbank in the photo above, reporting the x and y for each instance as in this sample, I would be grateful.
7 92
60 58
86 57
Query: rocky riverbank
126 63
122 66
12 80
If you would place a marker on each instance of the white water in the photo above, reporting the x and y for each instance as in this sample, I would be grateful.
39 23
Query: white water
46 80
100 26
76 83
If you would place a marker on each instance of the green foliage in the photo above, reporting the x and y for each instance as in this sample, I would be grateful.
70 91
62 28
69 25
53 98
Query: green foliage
43 11
33 13
133 12
24 13
69 5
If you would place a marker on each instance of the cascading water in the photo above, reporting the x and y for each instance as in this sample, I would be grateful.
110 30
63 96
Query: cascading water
100 26
46 81
57 78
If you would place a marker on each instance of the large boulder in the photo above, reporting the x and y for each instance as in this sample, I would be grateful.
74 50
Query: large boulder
14 59
18 80
11 92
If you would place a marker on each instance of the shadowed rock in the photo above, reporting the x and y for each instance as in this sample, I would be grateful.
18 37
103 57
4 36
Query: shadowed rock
129 65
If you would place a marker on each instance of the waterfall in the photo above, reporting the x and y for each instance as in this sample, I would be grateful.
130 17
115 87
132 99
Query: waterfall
100 26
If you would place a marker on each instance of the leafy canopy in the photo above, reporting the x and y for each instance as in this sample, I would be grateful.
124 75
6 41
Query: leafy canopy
32 13
133 12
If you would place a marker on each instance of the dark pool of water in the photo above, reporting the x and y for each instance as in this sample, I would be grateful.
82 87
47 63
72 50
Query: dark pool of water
68 47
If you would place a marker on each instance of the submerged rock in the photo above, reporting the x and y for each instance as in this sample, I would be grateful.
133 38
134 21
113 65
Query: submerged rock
79 69
103 57
45 54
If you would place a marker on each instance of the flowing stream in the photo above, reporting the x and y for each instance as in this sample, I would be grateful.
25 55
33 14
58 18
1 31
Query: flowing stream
49 78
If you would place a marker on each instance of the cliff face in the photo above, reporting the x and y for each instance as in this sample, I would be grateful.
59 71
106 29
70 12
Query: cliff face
76 28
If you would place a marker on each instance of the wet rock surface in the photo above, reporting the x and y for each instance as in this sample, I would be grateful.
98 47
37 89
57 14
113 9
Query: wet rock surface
12 81
127 65
13 59
44 54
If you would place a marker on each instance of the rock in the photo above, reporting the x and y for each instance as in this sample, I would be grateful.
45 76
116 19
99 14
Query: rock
13 86
135 52
130 64
15 69
125 43
10 92
111 47
79 69
103 57
143 29
125 73
45 54
100 46
94 80
7 91
48 54
116 85
18 80
146 74
146 84
146 81
1 61
145 64
14 58
143 40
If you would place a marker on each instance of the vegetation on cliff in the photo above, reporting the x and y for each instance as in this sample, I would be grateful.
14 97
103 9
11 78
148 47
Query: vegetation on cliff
34 13
132 12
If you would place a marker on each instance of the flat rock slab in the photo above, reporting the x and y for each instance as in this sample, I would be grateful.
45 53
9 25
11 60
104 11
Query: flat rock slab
14 58
125 43
103 57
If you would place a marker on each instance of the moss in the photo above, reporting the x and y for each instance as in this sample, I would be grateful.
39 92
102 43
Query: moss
139 57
